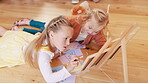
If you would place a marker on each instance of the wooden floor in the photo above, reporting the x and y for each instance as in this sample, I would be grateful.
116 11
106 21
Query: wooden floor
122 14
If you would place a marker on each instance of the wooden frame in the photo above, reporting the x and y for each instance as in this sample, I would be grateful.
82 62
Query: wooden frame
108 51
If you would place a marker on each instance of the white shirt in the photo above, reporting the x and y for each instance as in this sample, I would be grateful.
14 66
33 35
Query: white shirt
44 58
46 70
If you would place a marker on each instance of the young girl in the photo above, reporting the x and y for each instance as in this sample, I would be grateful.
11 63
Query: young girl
40 51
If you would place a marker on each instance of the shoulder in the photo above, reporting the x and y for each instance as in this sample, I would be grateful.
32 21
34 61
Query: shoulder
46 52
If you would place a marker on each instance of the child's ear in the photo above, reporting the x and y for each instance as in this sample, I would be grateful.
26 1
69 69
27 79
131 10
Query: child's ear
51 34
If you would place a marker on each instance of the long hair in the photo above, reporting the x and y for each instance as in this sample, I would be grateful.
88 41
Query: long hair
33 48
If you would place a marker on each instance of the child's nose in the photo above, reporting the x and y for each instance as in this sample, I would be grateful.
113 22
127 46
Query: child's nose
67 42
90 32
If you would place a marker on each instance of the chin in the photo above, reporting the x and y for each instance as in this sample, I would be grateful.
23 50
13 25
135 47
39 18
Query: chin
61 49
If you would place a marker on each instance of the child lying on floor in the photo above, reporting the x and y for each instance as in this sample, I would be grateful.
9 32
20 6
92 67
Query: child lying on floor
38 50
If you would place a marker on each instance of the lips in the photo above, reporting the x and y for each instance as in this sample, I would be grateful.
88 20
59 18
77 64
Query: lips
64 47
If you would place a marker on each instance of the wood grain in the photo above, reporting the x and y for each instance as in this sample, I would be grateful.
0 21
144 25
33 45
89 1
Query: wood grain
122 14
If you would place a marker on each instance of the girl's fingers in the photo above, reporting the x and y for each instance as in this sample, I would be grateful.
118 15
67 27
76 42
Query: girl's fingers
73 56
73 59
75 63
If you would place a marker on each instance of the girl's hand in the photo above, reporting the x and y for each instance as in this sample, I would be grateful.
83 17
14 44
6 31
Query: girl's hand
56 55
73 63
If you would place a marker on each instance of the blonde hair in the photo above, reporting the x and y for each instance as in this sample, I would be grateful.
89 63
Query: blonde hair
33 48
101 17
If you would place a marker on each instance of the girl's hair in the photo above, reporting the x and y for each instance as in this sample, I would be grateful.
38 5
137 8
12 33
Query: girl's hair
101 17
32 50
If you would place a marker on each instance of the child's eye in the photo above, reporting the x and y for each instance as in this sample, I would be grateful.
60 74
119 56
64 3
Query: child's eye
96 32
66 38
90 27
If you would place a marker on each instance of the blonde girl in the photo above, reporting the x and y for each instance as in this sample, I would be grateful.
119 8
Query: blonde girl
38 50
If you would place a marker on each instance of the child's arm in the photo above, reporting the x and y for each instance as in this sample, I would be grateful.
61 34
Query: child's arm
46 70
74 61
99 40
95 42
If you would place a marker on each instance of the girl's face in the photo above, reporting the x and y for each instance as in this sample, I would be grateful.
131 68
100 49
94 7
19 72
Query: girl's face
91 27
61 38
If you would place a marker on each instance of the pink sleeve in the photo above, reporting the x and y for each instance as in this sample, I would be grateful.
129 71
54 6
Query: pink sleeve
46 70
